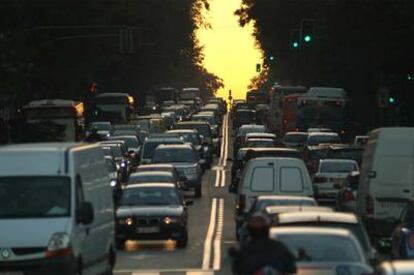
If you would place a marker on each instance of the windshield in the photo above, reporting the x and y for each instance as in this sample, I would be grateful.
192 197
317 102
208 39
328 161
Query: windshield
174 155
191 138
100 126
202 129
152 178
295 138
34 197
129 142
260 143
323 139
321 248
151 196
150 146
338 167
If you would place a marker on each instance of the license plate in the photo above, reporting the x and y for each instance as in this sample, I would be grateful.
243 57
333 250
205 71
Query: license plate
11 272
147 230
388 204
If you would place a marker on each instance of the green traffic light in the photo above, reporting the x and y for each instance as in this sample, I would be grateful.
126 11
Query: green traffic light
271 58
295 45
307 38
391 100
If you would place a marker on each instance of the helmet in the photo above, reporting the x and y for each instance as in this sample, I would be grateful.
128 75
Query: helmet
258 226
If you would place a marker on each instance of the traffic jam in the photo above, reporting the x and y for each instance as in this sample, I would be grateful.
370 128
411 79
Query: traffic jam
307 194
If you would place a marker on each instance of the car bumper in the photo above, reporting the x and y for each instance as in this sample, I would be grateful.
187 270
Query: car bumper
164 232
58 265
378 228
192 182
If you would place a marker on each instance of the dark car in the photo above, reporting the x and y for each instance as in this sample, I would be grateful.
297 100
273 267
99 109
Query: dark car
154 176
154 140
185 160
160 167
152 211
244 116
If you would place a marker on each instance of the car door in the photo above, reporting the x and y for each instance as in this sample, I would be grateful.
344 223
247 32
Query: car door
262 181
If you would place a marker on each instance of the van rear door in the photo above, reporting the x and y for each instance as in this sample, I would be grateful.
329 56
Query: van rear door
391 185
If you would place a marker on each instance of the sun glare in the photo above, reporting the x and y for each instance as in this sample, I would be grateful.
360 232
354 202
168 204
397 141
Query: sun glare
229 49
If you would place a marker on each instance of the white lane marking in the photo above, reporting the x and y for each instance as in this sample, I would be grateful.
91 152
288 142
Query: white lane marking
160 271
222 147
226 136
209 237
146 273
217 182
223 178
219 234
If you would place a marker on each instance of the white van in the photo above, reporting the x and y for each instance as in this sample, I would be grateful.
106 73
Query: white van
386 179
271 176
56 210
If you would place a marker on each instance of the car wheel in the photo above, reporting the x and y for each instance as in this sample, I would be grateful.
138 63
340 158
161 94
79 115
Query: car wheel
183 239
120 244
197 192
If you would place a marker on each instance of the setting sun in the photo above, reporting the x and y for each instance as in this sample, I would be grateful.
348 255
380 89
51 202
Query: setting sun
229 49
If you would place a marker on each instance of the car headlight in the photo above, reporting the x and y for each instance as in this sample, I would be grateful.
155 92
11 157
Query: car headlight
126 221
58 245
113 183
170 220
123 164
154 108
118 166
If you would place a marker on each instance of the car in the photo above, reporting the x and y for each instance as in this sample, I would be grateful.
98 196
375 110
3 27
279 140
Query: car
330 220
133 147
295 139
242 132
169 118
152 211
114 176
312 155
260 135
261 202
187 162
345 151
402 238
260 143
160 167
360 140
154 176
271 176
154 140
347 193
57 208
120 154
103 129
191 136
396 267
387 181
242 117
273 211
323 248
317 138
330 177
204 130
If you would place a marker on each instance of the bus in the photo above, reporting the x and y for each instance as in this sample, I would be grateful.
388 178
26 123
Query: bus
290 112
52 120
276 96
113 107
322 107
254 97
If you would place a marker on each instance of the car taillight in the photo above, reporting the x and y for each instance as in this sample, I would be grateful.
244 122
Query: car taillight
348 195
411 240
369 204
319 179
242 203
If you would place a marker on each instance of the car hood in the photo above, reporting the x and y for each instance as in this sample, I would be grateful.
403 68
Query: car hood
169 210
14 232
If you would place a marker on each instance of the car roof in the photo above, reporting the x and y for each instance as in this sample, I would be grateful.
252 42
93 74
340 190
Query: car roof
272 149
158 139
296 133
122 136
156 165
322 134
193 131
261 139
337 161
297 230
295 208
317 216
152 184
50 146
260 159
252 126
192 122
150 173
260 134
174 146
282 197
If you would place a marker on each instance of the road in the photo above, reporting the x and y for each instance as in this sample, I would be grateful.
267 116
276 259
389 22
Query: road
211 231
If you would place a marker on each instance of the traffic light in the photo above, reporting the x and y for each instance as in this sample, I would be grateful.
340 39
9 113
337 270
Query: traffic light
307 31
294 39
391 99
271 58
258 67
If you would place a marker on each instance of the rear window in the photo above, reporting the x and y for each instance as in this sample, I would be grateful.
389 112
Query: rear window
295 138
291 179
262 179
338 167
174 155
149 147
202 129
323 139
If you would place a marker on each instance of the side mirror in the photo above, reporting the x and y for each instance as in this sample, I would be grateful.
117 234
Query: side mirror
372 174
86 214
188 202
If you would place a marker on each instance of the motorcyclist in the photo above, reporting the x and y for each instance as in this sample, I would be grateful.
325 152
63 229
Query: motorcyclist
261 251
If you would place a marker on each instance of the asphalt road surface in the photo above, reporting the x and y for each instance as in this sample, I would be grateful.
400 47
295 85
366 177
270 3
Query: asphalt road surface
211 231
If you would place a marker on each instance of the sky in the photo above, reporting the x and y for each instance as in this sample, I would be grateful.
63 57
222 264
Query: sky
229 50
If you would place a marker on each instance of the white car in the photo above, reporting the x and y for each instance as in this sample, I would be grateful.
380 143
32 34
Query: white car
322 249
330 176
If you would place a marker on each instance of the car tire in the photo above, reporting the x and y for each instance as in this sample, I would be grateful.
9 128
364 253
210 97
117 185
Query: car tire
197 191
183 239
120 244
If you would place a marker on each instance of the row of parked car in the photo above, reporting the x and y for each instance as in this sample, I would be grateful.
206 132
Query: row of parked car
297 182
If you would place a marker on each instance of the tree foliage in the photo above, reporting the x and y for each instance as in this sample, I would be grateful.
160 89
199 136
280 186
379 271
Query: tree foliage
55 48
